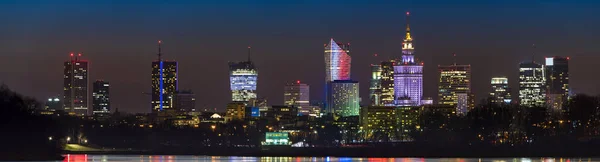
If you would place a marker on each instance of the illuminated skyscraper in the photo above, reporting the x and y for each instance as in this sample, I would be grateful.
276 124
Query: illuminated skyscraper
297 95
76 95
408 75
387 83
243 78
185 101
375 88
500 92
532 89
557 82
337 61
345 99
455 86
164 83
101 97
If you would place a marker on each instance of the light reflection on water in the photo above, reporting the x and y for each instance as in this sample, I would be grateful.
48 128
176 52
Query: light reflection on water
186 158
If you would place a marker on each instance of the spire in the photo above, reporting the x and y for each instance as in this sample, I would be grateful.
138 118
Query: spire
408 37
249 48
159 51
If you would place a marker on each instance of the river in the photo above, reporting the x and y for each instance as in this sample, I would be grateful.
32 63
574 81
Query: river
187 158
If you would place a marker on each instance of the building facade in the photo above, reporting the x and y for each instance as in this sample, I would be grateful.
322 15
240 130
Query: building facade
557 82
185 101
500 92
76 94
53 104
243 79
532 85
298 95
387 83
408 75
455 86
235 111
375 86
337 61
164 85
379 123
101 97
345 99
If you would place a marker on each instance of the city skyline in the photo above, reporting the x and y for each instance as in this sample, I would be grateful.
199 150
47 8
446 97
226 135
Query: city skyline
41 82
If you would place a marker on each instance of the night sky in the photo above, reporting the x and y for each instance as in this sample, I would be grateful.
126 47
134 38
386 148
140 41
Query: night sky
119 39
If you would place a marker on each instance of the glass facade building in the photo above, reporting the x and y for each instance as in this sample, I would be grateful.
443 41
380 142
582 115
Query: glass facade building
454 87
532 81
557 82
101 102
345 99
297 95
243 78
408 75
375 88
337 61
387 83
76 95
500 92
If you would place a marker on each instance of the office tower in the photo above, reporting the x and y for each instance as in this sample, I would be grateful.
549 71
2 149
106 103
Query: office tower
379 123
164 83
284 114
337 61
101 97
455 86
298 95
185 101
408 75
375 88
76 93
500 92
243 78
235 111
345 99
557 82
53 104
532 90
387 83
408 120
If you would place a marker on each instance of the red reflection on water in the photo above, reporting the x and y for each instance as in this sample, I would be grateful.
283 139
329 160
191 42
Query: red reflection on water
76 158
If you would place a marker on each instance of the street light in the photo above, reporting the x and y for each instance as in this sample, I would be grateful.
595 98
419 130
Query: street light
50 138
68 139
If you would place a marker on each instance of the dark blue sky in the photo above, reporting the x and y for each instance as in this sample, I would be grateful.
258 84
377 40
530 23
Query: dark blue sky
119 38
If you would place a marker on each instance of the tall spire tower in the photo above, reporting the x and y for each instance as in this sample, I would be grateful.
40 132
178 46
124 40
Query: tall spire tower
408 75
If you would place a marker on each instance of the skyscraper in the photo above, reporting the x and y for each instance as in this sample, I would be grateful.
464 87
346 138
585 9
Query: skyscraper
345 99
408 75
375 88
387 83
532 90
337 61
76 95
557 82
164 83
455 86
243 79
500 92
298 95
101 97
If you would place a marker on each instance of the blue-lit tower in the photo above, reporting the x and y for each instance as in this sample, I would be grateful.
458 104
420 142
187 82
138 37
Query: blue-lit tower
164 83
408 74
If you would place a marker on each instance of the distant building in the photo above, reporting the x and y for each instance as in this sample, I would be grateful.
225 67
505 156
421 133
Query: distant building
345 99
53 104
101 97
455 86
285 114
557 82
276 139
375 88
236 111
408 119
164 83
379 123
185 101
387 83
500 92
337 61
76 94
532 89
297 95
408 75
243 79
